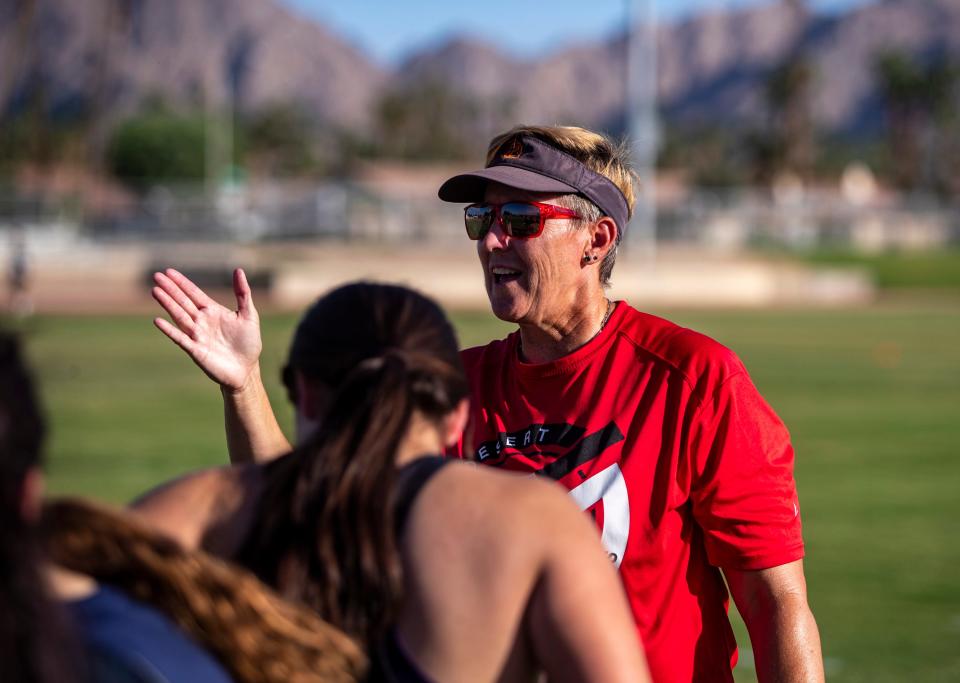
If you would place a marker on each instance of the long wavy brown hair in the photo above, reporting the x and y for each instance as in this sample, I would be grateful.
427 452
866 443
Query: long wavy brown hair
255 634
325 532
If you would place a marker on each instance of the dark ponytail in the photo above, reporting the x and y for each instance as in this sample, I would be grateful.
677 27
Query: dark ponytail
325 533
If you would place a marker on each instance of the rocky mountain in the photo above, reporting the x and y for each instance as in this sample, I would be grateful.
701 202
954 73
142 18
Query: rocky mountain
715 64
105 56
712 67
844 51
110 54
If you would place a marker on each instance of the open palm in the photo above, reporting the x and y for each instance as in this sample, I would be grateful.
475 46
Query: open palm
225 344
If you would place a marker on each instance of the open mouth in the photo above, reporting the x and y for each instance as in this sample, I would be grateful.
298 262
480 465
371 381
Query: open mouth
503 275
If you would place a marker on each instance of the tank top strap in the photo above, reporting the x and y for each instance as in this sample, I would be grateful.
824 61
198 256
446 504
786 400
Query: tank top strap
411 479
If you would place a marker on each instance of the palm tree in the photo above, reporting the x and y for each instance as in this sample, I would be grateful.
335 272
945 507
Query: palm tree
788 99
115 25
901 85
919 100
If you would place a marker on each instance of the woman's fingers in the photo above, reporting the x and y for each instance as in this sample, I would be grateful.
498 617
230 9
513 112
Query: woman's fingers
175 292
183 319
176 335
196 295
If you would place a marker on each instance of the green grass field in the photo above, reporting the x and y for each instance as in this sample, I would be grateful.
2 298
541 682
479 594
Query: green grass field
935 269
872 398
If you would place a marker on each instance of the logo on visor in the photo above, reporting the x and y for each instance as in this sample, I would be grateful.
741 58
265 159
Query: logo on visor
515 150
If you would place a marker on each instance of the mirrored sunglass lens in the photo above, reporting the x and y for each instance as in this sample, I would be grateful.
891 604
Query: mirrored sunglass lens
521 220
477 219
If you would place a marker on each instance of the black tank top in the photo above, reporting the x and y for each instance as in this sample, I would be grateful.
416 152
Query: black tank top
392 663
411 478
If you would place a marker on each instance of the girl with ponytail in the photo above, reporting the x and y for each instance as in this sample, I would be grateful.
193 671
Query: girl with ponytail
445 571
388 363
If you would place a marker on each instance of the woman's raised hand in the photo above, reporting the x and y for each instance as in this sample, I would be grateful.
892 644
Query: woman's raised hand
225 344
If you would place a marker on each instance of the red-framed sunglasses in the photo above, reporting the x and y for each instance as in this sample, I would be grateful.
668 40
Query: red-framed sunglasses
518 219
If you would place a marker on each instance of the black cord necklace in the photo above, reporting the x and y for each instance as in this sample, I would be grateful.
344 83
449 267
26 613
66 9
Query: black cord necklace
603 323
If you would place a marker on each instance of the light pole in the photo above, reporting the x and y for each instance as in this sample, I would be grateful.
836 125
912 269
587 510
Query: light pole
641 117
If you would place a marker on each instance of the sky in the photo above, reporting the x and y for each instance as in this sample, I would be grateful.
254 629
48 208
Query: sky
387 30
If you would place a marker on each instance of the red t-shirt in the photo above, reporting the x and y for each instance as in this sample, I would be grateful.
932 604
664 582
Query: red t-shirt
659 433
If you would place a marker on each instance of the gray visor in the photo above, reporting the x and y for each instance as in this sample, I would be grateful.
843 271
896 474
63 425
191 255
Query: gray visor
534 166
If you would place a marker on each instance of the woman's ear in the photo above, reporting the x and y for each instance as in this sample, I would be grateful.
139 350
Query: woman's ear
455 422
603 236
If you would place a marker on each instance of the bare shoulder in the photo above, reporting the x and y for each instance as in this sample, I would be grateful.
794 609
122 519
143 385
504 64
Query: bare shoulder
178 493
474 546
496 505
186 508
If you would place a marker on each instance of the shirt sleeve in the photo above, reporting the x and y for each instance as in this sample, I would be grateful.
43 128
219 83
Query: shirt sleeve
744 494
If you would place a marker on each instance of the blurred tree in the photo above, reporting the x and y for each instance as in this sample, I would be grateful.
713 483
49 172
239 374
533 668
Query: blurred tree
426 120
788 91
156 146
786 144
114 26
26 129
279 140
766 151
711 156
943 97
901 85
835 153
40 127
920 106
39 140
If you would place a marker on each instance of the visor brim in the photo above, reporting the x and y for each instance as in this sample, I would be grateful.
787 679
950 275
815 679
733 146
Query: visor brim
471 187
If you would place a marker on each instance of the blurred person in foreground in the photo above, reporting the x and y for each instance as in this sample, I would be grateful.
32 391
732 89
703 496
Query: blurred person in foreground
88 595
36 643
59 625
446 571
655 429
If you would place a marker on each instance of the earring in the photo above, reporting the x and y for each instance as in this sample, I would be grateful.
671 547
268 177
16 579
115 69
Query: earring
590 257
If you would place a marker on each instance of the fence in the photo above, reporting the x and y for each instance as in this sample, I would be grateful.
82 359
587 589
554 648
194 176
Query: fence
351 212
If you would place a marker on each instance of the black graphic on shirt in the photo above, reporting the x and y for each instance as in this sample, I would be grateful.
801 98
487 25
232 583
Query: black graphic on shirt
565 442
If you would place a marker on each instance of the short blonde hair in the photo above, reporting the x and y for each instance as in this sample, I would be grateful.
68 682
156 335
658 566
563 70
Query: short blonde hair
597 152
